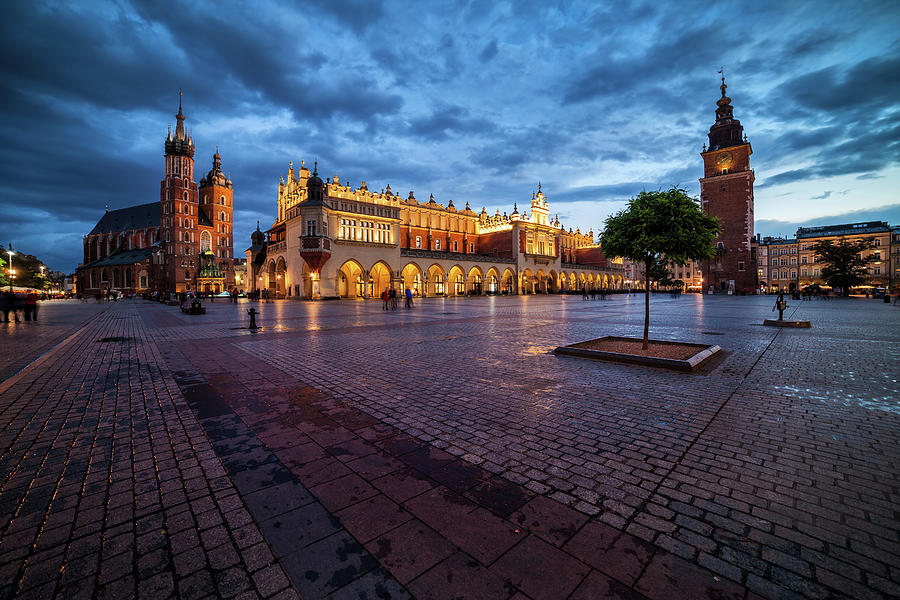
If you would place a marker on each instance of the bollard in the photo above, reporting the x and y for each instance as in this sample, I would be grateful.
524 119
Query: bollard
252 313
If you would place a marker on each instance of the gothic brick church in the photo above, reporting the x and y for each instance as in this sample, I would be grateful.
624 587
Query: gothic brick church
182 243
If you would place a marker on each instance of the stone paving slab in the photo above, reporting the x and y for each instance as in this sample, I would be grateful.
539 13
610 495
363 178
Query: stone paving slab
349 452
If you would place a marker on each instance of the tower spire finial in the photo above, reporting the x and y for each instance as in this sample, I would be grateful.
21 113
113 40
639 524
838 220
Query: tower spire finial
723 86
179 100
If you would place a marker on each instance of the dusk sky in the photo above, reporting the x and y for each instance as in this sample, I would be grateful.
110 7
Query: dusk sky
471 101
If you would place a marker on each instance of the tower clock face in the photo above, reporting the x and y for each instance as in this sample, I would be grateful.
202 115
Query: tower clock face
723 160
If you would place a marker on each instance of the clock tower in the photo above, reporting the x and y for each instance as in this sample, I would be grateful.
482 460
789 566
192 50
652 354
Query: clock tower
726 192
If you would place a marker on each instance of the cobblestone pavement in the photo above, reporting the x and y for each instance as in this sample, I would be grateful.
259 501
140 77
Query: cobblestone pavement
25 341
444 452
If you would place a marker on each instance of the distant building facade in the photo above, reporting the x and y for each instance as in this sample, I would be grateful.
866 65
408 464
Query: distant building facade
331 240
792 262
726 192
182 243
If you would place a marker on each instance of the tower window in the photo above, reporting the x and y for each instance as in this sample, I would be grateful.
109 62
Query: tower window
185 196
222 200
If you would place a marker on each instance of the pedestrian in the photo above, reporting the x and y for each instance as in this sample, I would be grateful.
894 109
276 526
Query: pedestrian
896 296
8 305
584 292
31 306
409 296
393 296
385 299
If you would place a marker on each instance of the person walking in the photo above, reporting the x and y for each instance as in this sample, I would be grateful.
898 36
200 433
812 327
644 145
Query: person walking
392 294
896 296
385 299
409 295
8 305
31 306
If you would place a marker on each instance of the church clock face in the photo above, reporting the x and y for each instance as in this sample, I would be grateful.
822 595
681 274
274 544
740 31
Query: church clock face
723 160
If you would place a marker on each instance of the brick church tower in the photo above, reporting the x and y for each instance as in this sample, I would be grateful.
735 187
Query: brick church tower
726 192
178 209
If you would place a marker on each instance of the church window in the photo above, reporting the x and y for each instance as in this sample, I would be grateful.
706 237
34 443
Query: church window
205 241
185 196
222 200
222 215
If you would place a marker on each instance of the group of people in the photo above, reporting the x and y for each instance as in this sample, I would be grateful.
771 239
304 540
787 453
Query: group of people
389 299
12 303
592 293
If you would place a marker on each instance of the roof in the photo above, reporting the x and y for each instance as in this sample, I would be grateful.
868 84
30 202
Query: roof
126 257
124 219
843 229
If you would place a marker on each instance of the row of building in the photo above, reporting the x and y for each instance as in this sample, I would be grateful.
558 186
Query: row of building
330 239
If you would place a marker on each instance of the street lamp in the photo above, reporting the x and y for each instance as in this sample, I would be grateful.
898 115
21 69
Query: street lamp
12 273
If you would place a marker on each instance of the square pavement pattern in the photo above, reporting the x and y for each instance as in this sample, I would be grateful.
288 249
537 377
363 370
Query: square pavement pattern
347 452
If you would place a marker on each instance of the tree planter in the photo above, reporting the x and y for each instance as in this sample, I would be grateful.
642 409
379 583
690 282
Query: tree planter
660 353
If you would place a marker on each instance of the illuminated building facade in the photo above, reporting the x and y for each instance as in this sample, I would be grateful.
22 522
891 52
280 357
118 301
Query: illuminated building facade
182 243
726 192
332 240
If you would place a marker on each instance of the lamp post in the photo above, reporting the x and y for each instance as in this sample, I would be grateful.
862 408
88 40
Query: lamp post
12 273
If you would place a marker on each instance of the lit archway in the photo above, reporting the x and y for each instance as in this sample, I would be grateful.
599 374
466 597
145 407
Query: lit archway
411 276
456 281
476 281
350 283
492 281
527 286
280 277
437 281
508 282
379 279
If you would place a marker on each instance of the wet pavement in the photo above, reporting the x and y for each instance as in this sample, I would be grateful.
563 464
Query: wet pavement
344 451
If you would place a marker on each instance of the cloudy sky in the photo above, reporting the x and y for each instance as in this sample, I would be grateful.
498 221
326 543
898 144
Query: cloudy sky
472 101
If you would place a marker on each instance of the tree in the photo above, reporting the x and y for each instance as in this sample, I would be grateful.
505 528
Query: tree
4 274
659 272
654 224
845 266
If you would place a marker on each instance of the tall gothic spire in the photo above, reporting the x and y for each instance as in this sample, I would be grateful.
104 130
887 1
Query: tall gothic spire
179 143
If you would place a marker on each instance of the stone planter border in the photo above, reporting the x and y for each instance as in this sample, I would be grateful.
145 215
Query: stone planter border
704 353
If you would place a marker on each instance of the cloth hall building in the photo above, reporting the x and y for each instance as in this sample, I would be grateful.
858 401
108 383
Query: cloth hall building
330 240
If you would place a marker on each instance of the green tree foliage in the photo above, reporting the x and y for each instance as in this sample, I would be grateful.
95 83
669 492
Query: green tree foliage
654 224
659 272
28 271
4 274
844 265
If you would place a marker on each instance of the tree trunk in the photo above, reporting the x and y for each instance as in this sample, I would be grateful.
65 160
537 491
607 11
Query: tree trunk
646 305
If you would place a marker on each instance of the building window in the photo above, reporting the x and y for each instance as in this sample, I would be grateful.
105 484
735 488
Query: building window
418 241
455 246
185 197
740 265
720 246
793 274
878 270
437 244
877 242
222 201
804 272
311 227
803 260
472 248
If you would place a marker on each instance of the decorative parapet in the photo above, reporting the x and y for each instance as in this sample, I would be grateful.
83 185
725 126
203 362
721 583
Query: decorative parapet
437 254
